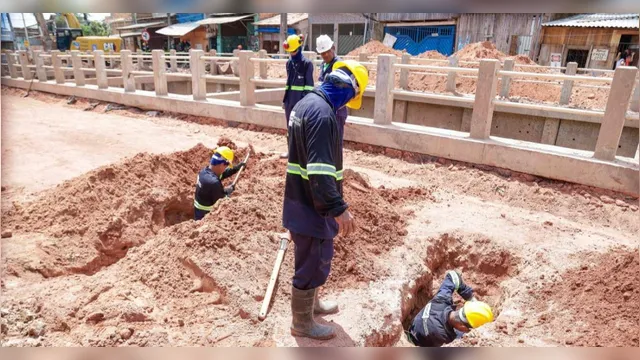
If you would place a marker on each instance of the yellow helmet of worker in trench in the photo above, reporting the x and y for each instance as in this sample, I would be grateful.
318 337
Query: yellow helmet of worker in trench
361 76
222 154
477 313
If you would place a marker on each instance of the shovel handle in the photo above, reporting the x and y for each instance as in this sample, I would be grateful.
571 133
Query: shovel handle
240 172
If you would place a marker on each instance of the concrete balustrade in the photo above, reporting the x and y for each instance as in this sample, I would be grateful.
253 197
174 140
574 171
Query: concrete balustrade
614 114
567 85
11 63
41 72
263 66
596 168
56 61
451 76
506 80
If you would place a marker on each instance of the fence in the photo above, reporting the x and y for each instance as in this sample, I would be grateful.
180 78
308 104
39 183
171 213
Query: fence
605 170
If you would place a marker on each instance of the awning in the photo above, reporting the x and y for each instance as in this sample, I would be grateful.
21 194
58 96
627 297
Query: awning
222 20
130 34
178 30
292 18
142 25
621 21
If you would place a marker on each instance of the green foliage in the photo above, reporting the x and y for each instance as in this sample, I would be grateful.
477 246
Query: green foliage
61 22
95 28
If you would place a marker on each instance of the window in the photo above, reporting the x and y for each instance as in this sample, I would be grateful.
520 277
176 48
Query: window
351 29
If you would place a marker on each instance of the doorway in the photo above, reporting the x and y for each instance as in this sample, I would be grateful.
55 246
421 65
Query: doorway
578 56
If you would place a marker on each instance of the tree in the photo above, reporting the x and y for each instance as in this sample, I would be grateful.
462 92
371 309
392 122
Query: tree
95 28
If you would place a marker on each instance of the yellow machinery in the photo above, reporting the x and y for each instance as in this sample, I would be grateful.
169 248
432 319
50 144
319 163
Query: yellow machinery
92 43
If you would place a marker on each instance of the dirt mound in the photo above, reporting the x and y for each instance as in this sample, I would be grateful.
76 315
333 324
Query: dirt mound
225 141
522 59
595 305
479 50
374 47
97 217
432 54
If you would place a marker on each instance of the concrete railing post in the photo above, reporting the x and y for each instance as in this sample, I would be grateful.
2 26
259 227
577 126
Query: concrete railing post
56 61
404 73
198 83
634 105
506 79
262 54
173 62
11 62
486 87
247 87
234 63
451 76
24 65
76 62
213 64
615 113
101 69
385 82
140 60
159 72
363 57
567 85
41 72
311 55
128 79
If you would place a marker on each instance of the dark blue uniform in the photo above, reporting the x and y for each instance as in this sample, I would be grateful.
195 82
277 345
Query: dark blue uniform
313 190
299 82
209 190
430 328
341 114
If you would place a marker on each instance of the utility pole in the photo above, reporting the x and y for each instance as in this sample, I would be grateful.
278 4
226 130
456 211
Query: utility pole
283 31
26 31
168 37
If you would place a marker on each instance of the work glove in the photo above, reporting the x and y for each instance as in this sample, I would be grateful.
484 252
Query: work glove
241 165
229 190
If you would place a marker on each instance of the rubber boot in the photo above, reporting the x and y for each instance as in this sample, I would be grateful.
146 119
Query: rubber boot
303 325
324 307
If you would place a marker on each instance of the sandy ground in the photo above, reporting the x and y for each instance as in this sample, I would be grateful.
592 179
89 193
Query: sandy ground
515 237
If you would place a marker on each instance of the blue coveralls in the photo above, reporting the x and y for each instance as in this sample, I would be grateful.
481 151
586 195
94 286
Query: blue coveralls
313 189
299 81
209 190
341 114
430 328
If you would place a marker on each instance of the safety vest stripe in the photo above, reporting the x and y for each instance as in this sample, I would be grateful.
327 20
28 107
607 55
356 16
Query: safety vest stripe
197 205
298 88
314 169
455 278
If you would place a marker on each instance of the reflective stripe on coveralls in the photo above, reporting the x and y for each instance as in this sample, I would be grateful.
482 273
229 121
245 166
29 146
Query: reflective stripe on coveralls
299 88
314 169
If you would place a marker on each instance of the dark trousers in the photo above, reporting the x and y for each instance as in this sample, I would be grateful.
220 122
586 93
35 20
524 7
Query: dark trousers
199 214
342 120
312 261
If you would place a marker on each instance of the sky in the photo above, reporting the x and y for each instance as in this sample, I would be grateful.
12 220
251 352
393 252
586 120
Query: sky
30 19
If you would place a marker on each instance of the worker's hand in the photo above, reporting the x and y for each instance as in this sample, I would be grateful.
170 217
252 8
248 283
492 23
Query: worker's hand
346 223
229 190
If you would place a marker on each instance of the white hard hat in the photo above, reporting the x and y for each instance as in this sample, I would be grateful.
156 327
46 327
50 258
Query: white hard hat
323 43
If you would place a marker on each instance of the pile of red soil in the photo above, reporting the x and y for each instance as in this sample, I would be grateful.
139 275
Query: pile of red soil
595 305
374 47
97 217
479 50
432 54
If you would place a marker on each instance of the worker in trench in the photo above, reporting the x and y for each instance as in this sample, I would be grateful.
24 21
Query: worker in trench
314 210
299 76
327 50
439 322
209 188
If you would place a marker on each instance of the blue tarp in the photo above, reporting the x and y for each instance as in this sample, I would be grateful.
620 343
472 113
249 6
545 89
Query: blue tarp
188 17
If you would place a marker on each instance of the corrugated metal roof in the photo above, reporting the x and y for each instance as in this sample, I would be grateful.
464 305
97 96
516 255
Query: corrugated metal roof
16 20
292 19
142 25
179 29
624 21
222 20
130 34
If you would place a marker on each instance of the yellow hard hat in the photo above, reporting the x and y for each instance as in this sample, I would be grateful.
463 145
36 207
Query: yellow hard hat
477 313
222 154
292 43
361 74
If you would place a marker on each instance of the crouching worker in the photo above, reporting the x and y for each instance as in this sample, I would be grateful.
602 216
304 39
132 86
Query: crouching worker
440 322
209 187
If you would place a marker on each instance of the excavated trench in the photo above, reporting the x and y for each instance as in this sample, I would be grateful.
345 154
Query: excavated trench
483 266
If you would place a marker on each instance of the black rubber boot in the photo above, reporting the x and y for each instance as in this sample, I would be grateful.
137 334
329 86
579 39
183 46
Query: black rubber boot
303 325
324 307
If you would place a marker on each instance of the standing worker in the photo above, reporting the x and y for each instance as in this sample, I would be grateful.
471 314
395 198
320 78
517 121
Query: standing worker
209 187
314 210
299 76
326 49
440 323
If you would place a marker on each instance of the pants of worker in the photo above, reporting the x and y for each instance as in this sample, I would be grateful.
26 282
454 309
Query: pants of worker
199 214
312 261
342 120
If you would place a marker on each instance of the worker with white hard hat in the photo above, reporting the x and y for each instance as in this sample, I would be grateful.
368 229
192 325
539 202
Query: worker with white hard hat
327 50
440 322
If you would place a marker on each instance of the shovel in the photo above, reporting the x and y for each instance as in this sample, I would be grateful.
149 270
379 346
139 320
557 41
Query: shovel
233 184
